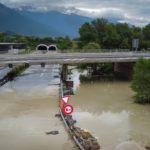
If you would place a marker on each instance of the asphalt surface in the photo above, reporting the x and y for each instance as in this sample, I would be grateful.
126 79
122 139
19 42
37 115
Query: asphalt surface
69 58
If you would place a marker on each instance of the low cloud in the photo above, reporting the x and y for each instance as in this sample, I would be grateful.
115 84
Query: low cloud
130 11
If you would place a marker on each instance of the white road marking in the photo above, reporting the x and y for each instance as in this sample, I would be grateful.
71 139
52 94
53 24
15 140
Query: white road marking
41 74
67 59
82 59
78 59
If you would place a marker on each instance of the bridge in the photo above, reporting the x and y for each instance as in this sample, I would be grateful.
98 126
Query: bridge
72 58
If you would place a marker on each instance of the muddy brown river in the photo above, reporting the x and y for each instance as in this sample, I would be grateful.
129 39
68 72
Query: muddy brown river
28 106
107 110
27 111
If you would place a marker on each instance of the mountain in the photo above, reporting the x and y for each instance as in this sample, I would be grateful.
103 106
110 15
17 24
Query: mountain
43 24
14 21
64 24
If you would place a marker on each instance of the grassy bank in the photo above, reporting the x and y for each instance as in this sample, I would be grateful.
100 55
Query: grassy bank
16 71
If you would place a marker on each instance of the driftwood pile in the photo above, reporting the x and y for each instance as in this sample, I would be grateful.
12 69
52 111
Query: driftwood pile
85 138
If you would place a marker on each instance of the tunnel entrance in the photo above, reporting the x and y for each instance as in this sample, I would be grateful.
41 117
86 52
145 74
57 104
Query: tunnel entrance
52 48
42 47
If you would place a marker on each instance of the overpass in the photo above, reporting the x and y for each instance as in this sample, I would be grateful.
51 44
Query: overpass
72 58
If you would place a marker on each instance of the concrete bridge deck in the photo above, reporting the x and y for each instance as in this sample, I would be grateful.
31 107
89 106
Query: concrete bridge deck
72 58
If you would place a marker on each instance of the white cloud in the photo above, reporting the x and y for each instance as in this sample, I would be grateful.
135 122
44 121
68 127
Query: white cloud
135 12
102 12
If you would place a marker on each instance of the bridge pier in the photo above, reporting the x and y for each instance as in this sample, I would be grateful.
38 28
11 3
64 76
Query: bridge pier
64 72
124 69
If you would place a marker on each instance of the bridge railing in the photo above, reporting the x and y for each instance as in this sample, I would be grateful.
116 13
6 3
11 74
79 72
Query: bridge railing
93 50
100 50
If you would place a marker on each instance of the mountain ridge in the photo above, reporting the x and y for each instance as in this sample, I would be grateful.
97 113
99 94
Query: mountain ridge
42 24
48 23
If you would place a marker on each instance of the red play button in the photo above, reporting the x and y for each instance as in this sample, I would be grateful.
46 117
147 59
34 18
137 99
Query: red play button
67 110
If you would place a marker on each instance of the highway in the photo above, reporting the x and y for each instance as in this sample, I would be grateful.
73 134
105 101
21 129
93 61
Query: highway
4 71
36 76
28 106
72 58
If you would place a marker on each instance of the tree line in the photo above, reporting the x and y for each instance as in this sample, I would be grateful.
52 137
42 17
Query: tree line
98 34
32 41
111 36
141 81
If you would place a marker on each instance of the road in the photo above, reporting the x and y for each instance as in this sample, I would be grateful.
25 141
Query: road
27 111
38 76
4 71
69 58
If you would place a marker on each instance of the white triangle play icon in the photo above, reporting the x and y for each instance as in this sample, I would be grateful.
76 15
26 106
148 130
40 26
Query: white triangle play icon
65 99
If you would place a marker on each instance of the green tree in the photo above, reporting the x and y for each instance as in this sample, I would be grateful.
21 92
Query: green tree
99 27
141 81
111 37
123 30
64 43
92 45
125 44
86 34
136 33
146 32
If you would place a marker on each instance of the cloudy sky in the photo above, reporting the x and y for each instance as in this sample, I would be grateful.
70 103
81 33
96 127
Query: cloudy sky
135 12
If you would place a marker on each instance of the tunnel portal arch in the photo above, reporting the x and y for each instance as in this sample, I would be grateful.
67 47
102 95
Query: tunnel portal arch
42 47
52 48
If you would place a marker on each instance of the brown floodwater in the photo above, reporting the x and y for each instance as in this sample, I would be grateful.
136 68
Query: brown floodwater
105 108
27 111
108 111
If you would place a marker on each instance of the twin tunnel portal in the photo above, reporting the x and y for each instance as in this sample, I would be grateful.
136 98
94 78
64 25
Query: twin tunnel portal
44 47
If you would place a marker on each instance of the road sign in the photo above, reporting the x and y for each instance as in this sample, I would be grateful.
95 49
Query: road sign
65 99
67 110
135 44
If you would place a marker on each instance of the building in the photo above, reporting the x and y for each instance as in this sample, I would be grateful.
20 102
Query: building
12 47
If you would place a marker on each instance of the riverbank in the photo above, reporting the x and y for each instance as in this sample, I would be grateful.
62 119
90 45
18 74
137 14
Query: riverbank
82 138
16 71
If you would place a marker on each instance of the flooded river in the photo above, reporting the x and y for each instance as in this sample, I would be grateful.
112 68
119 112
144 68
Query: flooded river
4 71
28 106
27 111
107 110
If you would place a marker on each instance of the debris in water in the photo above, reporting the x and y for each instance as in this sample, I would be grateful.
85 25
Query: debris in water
52 132
147 147
57 115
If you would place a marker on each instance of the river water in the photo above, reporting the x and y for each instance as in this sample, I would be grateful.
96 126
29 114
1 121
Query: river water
4 71
107 110
27 111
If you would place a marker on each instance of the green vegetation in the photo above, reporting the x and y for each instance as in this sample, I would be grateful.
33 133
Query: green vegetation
100 71
92 45
141 81
113 36
16 71
99 34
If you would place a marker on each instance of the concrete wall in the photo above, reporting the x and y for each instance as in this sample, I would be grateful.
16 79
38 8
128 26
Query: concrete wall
12 47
